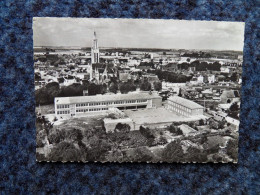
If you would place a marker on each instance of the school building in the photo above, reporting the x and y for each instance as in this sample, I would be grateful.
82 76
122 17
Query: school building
72 106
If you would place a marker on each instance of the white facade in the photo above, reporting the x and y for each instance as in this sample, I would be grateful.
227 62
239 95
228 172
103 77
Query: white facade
211 78
72 106
225 70
184 106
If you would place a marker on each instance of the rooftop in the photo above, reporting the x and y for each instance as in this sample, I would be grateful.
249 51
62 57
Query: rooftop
185 102
100 98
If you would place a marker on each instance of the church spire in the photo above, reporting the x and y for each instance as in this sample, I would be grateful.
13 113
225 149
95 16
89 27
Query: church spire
95 50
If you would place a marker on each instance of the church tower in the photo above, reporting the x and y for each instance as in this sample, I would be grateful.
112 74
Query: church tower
95 50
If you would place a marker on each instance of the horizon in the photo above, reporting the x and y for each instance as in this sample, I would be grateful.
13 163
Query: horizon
139 33
82 47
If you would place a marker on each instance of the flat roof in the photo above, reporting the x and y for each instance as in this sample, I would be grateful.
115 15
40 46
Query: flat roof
158 115
100 98
185 102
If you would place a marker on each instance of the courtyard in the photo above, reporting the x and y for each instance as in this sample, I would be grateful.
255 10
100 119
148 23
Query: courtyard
158 116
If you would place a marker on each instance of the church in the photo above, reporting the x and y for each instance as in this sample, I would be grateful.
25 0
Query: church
99 72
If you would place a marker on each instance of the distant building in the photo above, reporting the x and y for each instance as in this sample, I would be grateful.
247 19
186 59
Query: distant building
184 106
207 93
197 79
225 69
124 76
69 80
211 78
73 106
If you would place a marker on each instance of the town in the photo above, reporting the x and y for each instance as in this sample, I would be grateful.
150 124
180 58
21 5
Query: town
137 104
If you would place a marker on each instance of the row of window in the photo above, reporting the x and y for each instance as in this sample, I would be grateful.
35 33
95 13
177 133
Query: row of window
179 111
91 110
180 106
109 103
62 106
63 112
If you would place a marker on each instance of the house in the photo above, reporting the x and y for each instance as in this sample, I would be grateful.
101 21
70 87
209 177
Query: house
69 80
211 78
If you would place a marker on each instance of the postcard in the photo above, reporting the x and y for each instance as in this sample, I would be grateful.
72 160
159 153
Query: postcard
137 90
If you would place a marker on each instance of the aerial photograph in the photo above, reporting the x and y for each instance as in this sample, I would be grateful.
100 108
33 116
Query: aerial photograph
137 90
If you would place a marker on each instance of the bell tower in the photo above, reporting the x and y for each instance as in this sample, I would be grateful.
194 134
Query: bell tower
95 50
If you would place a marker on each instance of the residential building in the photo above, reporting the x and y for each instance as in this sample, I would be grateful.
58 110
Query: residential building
211 78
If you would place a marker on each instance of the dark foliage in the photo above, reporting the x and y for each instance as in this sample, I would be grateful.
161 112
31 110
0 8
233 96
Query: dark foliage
157 86
145 86
126 87
113 87
173 152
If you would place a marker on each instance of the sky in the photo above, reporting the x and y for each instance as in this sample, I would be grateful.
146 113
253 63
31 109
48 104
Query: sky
139 33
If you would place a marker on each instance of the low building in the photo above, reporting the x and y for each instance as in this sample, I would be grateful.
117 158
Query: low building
186 129
184 106
73 106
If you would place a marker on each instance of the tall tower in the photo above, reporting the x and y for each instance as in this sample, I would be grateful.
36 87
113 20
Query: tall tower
95 50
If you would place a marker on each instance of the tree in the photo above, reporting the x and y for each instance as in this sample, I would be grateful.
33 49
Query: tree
146 86
104 87
157 85
232 148
65 151
141 154
94 89
173 152
74 135
56 136
126 87
75 89
146 132
195 155
175 130
113 87
46 94
125 128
